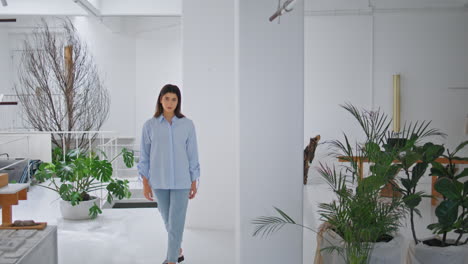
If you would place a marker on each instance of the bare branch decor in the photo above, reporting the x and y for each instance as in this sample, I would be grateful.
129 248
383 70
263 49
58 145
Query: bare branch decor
59 84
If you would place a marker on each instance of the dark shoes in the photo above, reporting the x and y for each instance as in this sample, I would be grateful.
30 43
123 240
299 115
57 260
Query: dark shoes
179 260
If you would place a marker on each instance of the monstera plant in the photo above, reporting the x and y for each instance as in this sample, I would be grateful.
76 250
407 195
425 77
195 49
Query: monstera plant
78 173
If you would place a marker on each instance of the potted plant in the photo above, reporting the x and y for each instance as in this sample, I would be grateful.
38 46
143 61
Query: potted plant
414 161
452 215
78 173
361 225
359 218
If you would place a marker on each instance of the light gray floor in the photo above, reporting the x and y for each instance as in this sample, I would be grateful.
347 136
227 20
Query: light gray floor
121 236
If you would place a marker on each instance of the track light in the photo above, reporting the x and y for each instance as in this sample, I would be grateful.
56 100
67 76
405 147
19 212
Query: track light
286 7
4 3
88 7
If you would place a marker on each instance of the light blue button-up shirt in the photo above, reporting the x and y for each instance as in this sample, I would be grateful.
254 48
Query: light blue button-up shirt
168 153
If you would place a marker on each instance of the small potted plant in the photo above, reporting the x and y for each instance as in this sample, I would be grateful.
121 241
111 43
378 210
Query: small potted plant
414 161
78 173
452 215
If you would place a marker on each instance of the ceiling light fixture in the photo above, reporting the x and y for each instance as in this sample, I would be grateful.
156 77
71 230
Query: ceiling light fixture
286 7
88 7
4 3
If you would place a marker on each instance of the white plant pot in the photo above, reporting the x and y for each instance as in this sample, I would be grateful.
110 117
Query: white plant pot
383 252
390 252
424 254
79 211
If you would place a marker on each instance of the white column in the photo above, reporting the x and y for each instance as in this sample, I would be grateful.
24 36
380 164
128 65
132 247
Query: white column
243 87
209 100
271 87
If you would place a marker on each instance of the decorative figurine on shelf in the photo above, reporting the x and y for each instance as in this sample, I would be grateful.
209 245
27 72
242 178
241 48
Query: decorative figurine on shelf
309 154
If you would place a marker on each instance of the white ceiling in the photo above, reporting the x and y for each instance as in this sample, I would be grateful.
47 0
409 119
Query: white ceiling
318 5
174 7
105 7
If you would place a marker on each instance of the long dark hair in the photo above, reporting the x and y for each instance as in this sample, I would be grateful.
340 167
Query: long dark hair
169 88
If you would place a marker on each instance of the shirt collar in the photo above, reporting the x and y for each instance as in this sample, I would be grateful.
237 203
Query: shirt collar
174 119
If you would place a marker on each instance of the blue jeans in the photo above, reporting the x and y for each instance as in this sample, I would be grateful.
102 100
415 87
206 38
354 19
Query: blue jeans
172 204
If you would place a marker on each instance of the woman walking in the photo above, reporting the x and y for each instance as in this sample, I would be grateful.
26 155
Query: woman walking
169 165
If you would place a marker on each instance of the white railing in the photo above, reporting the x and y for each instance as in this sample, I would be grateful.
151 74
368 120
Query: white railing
11 113
22 145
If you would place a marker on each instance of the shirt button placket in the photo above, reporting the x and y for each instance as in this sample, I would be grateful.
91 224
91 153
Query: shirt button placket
171 138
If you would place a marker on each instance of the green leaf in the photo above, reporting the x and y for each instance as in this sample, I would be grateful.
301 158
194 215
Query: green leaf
45 172
65 170
94 211
465 189
432 152
110 198
285 216
74 154
128 157
436 228
459 188
392 171
371 183
447 188
447 212
75 198
412 200
102 170
119 189
407 184
65 188
460 147
372 147
418 171
439 170
57 154
409 159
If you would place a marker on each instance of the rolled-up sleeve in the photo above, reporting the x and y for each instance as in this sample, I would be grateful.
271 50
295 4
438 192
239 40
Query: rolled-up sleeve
145 147
192 153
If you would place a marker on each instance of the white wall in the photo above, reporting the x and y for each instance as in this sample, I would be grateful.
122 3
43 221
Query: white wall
115 58
338 55
208 77
158 62
271 86
4 61
352 59
430 52
27 145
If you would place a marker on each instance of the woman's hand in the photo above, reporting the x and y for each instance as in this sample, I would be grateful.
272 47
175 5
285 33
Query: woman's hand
147 192
193 190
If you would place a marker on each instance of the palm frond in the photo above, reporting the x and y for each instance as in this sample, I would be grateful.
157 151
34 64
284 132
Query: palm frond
267 225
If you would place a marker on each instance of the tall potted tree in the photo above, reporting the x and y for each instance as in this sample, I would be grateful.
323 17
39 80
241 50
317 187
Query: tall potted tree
59 86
